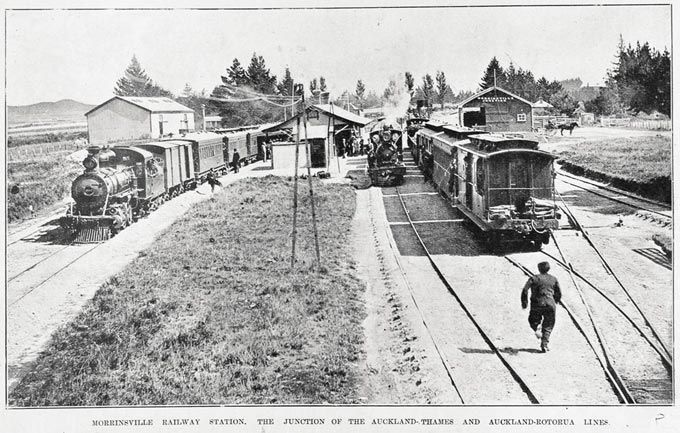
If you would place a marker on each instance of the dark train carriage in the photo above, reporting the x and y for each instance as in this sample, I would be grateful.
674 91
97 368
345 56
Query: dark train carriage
175 161
506 187
425 139
206 154
413 125
235 140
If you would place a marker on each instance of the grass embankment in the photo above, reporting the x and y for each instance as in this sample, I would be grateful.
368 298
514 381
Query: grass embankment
41 182
212 313
641 165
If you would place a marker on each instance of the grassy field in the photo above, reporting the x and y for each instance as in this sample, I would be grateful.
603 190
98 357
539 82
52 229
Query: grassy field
641 165
42 181
46 137
212 313
642 159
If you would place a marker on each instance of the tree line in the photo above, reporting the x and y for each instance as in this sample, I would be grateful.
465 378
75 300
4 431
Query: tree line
639 80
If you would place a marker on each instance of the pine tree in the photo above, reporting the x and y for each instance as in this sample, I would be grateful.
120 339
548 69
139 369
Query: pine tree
390 90
442 87
135 81
285 86
428 89
236 75
409 82
360 91
188 92
488 77
259 77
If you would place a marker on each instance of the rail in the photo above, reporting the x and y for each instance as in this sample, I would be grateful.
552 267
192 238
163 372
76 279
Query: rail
518 379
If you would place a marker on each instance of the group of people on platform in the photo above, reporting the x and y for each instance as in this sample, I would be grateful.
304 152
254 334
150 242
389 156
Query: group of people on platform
353 147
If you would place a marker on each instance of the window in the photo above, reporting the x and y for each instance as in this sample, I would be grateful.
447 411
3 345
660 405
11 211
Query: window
521 117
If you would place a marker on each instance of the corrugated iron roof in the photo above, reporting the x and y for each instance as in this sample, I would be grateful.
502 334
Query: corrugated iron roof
485 91
343 114
151 104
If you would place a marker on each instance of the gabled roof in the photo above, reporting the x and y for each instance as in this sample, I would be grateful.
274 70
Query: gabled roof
542 104
151 104
485 91
329 109
343 114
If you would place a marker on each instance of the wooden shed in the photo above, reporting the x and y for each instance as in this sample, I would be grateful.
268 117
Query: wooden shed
134 117
496 110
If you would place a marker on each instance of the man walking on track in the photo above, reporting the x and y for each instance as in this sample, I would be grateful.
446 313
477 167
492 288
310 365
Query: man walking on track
545 295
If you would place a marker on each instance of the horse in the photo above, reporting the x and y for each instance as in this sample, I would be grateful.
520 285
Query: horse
570 127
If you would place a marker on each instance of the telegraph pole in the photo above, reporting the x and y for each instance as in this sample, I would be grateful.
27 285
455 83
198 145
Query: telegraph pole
311 187
295 191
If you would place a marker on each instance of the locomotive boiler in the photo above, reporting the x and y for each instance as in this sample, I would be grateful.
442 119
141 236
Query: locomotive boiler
385 160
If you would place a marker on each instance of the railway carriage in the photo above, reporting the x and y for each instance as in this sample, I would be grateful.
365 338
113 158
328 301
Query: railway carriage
176 160
425 139
413 125
504 185
207 152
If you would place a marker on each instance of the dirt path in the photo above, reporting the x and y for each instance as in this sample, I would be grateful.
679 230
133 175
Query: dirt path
401 364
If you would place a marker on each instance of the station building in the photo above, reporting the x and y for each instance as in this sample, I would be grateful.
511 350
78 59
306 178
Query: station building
135 117
495 110
327 126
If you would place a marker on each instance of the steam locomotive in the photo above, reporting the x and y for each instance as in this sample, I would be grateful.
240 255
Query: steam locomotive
123 183
385 160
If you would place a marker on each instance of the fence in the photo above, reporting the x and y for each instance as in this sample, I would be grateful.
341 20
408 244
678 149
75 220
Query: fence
43 149
664 125
629 122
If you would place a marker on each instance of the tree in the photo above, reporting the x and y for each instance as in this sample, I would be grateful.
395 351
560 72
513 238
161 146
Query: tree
493 69
135 82
322 84
360 90
285 86
442 87
259 77
409 82
188 91
390 90
313 86
641 78
236 75
427 89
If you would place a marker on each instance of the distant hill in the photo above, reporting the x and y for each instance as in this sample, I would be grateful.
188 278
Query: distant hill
66 110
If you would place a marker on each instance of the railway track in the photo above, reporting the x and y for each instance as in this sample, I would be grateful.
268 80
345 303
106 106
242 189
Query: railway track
42 280
625 385
530 395
633 201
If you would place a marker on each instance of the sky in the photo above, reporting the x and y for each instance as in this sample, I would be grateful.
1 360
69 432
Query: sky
78 54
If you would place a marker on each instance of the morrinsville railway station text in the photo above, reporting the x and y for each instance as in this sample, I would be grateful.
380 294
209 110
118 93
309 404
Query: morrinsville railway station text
170 422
